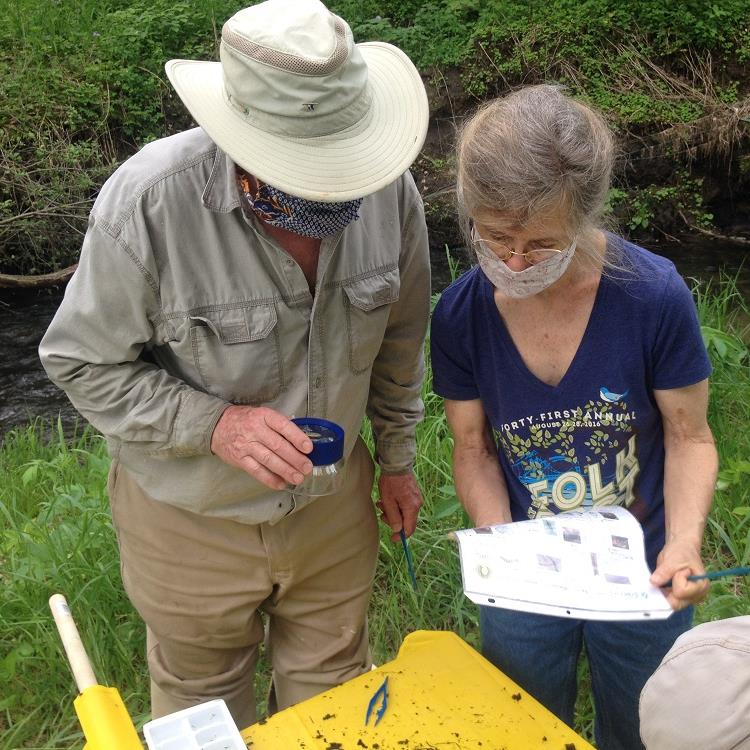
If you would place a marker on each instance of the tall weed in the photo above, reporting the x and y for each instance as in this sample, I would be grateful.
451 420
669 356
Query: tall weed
726 327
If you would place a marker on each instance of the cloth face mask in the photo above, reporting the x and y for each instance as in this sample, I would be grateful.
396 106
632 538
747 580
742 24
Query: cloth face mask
307 218
530 281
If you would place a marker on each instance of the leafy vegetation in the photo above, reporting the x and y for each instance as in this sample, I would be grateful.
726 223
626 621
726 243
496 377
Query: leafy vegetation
638 209
56 536
81 87
82 83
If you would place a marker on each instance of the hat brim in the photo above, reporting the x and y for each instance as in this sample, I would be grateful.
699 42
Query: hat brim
342 166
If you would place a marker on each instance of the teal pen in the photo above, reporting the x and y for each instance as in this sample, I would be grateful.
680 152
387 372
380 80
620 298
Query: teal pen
714 574
409 563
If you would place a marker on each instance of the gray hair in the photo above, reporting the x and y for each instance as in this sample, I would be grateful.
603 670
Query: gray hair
536 151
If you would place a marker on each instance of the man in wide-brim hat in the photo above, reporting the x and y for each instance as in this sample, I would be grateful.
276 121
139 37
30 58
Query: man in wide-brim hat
271 263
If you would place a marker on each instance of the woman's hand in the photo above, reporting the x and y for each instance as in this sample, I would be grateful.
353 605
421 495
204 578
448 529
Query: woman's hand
678 560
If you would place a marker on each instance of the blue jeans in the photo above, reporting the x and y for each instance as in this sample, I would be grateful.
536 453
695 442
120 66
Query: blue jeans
540 653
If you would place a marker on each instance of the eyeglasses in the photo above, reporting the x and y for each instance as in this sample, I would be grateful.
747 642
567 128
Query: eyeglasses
503 252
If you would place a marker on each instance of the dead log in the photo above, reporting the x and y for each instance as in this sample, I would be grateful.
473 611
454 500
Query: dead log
39 281
714 234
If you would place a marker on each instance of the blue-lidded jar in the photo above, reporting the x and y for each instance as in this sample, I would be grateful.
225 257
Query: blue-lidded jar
327 457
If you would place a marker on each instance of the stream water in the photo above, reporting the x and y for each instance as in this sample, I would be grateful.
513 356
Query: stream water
26 393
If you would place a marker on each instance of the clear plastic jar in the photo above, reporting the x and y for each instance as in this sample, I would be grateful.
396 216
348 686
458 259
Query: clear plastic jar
327 457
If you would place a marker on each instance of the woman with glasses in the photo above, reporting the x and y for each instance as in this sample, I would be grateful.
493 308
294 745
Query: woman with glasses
574 376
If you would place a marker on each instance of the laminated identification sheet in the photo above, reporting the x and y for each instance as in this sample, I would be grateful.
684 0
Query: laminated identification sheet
584 564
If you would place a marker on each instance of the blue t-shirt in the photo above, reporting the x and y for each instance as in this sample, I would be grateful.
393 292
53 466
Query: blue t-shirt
596 438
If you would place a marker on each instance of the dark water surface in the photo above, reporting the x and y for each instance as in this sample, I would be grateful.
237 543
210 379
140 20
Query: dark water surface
26 393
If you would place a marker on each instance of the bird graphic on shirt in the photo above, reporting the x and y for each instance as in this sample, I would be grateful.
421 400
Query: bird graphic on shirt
612 398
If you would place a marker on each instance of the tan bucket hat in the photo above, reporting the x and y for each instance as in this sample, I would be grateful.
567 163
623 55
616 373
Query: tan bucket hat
699 696
295 102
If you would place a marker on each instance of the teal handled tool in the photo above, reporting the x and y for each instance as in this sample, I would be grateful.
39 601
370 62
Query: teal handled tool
381 696
712 575
409 561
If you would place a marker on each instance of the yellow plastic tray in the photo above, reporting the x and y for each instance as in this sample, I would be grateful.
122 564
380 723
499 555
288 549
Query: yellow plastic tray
442 695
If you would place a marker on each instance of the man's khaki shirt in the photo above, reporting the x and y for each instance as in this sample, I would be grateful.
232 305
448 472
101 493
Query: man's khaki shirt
182 305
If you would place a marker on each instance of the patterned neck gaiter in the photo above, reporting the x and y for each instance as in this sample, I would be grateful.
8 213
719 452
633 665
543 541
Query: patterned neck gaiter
298 215
530 281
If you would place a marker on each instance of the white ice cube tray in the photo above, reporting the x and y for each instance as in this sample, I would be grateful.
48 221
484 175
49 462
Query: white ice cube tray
207 726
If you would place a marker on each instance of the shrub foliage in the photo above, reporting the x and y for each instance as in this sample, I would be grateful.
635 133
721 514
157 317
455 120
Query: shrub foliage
82 83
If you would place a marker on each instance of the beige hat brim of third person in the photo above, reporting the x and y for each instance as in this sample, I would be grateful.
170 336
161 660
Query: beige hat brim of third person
699 696
344 165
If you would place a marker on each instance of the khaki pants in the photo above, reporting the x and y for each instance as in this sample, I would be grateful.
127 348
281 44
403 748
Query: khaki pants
200 583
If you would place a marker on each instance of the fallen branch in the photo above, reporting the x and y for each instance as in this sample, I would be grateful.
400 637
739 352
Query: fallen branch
715 235
10 281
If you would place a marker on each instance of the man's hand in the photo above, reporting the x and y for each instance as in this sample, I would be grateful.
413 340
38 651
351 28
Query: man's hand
678 560
400 501
264 443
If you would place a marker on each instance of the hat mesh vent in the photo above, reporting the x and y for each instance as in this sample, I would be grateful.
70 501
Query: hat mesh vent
289 62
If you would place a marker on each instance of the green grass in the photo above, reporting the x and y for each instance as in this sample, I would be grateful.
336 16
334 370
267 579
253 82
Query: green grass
56 535
726 327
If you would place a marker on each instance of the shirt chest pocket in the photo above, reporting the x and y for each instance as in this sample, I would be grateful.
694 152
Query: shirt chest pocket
237 352
368 304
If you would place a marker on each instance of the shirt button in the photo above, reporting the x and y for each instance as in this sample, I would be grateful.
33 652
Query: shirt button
318 382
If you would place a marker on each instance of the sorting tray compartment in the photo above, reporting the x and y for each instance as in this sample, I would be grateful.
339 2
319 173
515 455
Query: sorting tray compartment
207 726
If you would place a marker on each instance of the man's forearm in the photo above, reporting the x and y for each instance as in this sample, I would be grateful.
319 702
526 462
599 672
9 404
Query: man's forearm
395 405
136 402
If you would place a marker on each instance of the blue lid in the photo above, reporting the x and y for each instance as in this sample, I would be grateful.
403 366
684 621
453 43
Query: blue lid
327 439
